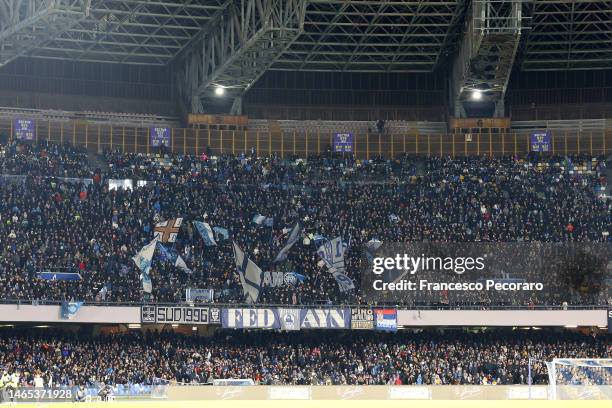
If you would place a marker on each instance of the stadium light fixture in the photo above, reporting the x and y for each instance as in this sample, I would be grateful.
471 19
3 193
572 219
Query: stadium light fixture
476 95
219 91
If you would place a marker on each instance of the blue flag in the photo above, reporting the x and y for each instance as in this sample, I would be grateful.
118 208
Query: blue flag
171 256
205 232
167 254
294 278
319 240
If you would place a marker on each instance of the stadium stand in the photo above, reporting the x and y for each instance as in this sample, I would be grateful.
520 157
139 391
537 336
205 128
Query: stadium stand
245 203
275 358
463 200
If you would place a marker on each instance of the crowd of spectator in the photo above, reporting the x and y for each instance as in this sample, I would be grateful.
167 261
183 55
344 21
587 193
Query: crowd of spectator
48 223
44 159
134 357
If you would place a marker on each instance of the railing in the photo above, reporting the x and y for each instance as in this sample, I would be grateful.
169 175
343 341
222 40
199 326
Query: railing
303 144
315 306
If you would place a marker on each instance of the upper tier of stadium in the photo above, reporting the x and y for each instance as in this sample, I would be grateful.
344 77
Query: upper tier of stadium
63 217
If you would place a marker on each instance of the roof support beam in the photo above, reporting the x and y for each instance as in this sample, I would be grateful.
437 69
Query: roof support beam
26 25
236 48
487 53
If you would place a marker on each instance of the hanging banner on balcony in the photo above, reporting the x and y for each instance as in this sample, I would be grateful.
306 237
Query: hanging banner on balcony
180 315
24 129
343 142
540 141
160 136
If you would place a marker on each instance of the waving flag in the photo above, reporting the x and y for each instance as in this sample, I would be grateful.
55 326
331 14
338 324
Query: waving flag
143 261
294 278
171 256
294 235
167 231
319 240
144 256
206 232
371 247
332 254
259 219
147 285
263 220
180 263
250 274
222 232
344 282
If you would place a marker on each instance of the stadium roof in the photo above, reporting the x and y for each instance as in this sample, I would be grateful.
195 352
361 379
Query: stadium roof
338 35
229 44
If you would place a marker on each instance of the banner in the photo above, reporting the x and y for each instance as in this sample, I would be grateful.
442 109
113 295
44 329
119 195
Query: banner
24 129
362 319
610 321
278 279
179 315
70 309
250 318
332 318
385 319
286 319
343 142
199 295
57 276
540 141
289 319
160 136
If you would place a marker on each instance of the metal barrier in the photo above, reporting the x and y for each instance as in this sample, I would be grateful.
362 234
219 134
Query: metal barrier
127 139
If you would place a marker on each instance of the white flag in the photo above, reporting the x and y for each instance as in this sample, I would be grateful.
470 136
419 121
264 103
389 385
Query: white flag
144 256
294 236
344 282
332 253
180 263
147 285
259 219
250 274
